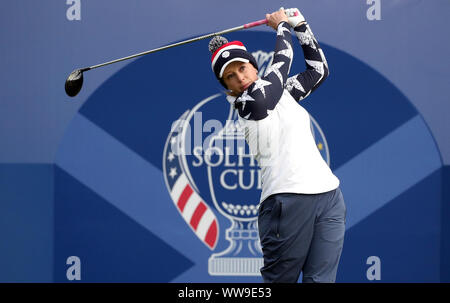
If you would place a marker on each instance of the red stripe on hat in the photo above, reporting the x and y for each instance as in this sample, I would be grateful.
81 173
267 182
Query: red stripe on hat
239 43
184 197
211 235
198 213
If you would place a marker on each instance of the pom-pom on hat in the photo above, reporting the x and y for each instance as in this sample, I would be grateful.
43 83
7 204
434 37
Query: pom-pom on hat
224 52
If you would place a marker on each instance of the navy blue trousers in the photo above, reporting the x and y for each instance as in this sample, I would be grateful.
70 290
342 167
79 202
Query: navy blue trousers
302 233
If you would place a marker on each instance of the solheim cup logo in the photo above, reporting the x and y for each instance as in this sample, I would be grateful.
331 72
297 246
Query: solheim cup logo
209 172
228 186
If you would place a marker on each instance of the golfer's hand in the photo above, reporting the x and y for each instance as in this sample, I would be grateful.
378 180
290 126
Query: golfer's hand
295 17
275 18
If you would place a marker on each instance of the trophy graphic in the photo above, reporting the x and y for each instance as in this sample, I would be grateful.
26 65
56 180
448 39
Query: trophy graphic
234 192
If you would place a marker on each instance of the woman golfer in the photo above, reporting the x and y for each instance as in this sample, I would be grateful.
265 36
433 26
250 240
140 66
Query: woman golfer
301 217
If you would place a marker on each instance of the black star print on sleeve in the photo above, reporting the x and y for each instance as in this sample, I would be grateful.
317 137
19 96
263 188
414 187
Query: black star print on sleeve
262 96
303 84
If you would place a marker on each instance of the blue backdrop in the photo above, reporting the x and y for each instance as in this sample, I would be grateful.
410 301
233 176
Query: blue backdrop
93 176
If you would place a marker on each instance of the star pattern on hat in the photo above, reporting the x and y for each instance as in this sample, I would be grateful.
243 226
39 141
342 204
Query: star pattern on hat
259 85
294 83
276 69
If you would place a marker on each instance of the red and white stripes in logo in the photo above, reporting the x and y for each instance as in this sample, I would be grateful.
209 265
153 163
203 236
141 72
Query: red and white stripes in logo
195 212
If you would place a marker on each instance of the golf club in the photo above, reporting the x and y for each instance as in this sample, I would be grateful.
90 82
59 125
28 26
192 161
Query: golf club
75 80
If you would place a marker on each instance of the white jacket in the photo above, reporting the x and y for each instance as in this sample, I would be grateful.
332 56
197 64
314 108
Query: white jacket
277 128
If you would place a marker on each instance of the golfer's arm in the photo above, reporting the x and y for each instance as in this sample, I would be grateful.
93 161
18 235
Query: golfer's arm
263 95
303 84
283 53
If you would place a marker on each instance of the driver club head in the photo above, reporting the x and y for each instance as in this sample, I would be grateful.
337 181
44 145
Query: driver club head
74 83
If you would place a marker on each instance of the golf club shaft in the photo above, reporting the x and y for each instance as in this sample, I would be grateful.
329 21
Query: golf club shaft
245 26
